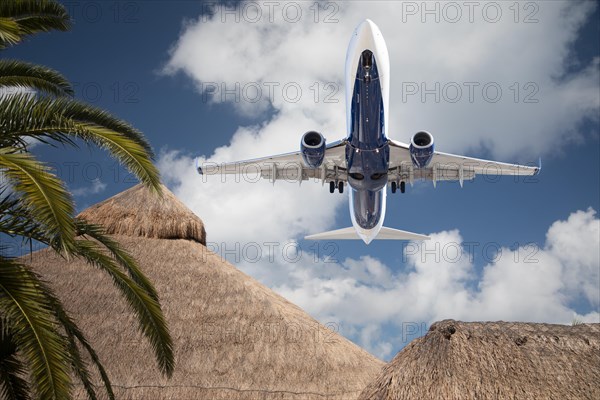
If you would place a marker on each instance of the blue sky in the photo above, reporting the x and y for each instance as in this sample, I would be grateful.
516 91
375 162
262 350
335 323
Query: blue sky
148 63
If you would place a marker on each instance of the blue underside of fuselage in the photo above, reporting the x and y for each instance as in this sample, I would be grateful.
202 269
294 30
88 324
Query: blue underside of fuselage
367 151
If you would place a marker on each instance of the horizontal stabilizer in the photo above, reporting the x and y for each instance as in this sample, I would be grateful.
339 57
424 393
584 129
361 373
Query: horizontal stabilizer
338 234
351 234
397 234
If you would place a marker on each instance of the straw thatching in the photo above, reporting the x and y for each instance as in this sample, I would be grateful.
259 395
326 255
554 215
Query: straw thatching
494 360
138 212
234 338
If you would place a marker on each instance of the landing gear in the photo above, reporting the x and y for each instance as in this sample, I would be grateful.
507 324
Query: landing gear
333 186
395 187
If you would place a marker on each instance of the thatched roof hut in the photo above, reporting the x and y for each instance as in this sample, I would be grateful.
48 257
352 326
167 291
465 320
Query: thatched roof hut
494 360
138 213
234 338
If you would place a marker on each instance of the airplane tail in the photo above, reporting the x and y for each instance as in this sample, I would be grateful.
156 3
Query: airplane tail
351 234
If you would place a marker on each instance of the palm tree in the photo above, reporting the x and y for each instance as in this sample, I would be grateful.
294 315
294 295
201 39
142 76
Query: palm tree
40 344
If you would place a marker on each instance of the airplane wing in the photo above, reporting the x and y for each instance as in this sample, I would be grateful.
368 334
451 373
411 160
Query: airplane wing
444 166
288 166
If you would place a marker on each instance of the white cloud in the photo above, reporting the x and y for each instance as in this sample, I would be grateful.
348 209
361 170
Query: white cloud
575 243
451 54
438 280
96 187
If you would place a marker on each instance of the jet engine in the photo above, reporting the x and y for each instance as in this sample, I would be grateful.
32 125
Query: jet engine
421 149
312 147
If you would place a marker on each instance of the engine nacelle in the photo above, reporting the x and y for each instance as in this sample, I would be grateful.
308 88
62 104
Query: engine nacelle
421 149
312 147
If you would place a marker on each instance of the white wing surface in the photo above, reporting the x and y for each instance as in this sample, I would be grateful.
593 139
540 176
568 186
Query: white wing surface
289 166
444 166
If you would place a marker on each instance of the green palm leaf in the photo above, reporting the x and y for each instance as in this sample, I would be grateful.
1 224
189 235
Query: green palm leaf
21 121
14 73
30 16
12 370
49 113
13 386
24 117
79 367
79 111
14 220
10 33
33 330
43 194
126 151
147 309
17 221
124 259
75 336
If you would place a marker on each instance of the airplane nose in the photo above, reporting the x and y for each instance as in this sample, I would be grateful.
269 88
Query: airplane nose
367 28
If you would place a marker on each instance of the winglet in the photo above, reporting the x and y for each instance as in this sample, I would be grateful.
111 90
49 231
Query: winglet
198 166
539 168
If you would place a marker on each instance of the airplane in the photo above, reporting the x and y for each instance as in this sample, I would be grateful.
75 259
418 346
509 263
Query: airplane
367 160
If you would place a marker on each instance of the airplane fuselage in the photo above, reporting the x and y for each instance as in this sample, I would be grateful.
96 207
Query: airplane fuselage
367 149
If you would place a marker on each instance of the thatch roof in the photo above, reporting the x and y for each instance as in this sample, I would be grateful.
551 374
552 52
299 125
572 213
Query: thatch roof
494 360
234 338
139 212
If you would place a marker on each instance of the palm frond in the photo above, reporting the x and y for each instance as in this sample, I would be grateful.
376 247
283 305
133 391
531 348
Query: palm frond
31 16
122 257
18 220
56 119
80 369
124 150
10 33
78 365
21 120
148 311
84 113
43 112
13 385
74 334
43 194
33 329
15 73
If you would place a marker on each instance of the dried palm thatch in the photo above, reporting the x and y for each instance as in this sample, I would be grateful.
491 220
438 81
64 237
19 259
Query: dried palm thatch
494 360
234 338
138 212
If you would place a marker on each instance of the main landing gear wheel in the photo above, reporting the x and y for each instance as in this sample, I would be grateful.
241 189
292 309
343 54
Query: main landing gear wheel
402 187
394 186
339 186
